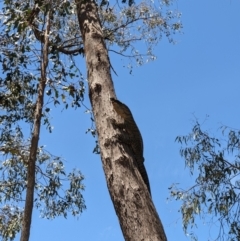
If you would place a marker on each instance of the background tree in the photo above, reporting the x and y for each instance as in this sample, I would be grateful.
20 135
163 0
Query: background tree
25 44
215 196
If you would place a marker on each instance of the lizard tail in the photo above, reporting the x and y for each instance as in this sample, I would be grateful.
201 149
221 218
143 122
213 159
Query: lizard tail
144 175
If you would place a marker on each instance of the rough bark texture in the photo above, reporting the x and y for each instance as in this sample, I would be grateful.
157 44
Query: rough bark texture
132 202
27 217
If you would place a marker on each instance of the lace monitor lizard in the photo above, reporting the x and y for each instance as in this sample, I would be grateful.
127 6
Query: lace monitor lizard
134 137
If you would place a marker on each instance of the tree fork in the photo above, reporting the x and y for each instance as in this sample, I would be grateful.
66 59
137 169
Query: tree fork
132 202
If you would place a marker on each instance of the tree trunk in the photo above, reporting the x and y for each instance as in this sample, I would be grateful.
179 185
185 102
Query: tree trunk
132 202
27 216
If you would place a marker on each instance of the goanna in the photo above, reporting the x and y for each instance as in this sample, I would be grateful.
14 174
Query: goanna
135 140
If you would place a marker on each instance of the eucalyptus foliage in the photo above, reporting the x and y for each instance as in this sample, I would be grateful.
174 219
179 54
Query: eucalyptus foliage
56 192
215 195
141 24
22 27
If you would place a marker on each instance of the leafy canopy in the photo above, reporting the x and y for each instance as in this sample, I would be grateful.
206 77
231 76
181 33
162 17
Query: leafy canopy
56 192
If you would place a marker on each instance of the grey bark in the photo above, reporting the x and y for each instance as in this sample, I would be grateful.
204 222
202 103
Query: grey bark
27 216
132 202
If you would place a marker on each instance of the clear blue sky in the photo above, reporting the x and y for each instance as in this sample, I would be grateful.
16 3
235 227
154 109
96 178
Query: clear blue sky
198 76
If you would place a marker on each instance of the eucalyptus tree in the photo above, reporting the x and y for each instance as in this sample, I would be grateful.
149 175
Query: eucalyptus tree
32 68
114 26
214 161
36 35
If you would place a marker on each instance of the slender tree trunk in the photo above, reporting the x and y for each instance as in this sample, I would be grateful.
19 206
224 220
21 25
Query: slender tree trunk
132 202
27 216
